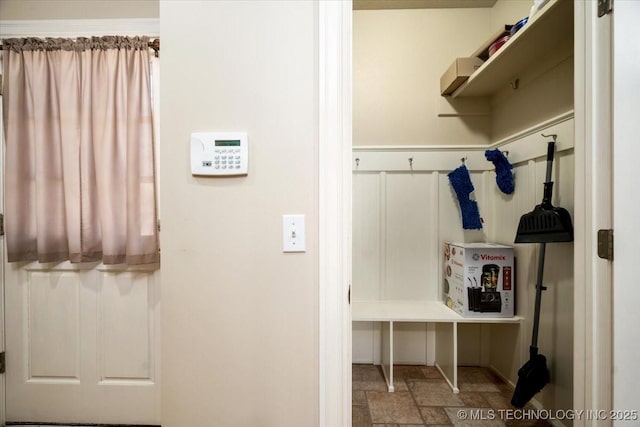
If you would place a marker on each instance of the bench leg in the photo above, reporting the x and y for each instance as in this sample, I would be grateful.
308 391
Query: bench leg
387 354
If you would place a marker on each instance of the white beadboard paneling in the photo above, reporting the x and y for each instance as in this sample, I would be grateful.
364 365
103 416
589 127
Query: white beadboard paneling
415 159
366 236
508 211
125 329
409 254
508 354
53 327
440 221
469 344
556 319
410 341
363 342
447 333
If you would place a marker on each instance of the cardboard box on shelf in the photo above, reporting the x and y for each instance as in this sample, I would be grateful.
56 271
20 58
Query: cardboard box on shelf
479 279
458 73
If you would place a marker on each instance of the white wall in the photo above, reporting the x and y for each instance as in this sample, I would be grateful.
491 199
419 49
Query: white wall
398 58
508 12
240 328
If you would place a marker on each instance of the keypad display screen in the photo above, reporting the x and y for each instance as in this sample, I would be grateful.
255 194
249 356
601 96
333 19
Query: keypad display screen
228 143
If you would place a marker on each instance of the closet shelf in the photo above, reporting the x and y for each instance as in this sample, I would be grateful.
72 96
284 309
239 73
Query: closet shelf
547 37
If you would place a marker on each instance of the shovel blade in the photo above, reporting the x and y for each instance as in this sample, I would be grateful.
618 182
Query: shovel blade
532 378
545 225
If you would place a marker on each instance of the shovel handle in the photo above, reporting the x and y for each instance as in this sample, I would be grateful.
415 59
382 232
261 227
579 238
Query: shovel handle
539 288
551 148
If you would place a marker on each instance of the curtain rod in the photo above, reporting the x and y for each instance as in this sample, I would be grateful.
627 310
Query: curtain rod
153 44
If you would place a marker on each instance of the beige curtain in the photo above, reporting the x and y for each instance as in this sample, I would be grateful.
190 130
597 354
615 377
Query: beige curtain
79 179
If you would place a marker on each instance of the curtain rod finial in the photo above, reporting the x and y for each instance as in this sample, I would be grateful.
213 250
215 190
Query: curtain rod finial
155 45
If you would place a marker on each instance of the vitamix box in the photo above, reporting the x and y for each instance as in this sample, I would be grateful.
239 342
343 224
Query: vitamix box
478 279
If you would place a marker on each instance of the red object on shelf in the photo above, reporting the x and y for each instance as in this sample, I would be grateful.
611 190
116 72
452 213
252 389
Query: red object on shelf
498 44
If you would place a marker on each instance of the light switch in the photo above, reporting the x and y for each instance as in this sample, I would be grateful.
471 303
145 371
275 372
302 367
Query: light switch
293 233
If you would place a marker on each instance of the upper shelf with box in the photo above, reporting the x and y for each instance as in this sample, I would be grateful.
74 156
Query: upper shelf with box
545 41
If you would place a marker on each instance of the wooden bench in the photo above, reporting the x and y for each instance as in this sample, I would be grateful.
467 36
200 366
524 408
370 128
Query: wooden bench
446 325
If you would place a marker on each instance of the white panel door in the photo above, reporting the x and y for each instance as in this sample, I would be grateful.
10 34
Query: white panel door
82 343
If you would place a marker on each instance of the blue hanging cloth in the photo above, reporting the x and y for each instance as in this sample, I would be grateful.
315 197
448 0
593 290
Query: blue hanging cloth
504 175
461 182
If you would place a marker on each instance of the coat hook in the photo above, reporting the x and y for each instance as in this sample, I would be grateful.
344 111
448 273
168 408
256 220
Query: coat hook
515 84
357 161
463 160
553 135
411 162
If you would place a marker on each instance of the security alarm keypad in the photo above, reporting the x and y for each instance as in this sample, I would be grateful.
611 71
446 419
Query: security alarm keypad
219 153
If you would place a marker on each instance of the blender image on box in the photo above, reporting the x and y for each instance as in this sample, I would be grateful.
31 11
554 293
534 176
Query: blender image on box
478 279
486 298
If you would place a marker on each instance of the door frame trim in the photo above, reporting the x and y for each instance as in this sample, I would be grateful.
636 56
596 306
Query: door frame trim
334 200
593 327
626 151
592 309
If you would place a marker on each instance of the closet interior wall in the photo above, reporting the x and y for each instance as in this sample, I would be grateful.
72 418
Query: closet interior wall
402 215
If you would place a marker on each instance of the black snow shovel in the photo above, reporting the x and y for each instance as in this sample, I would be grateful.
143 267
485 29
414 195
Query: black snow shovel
543 225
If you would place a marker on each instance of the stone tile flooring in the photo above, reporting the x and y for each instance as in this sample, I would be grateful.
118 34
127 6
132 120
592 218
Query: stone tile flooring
423 398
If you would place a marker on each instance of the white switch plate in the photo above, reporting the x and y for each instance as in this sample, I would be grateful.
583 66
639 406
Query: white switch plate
293 233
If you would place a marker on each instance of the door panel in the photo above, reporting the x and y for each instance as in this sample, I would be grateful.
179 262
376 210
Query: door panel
82 343
52 331
126 326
